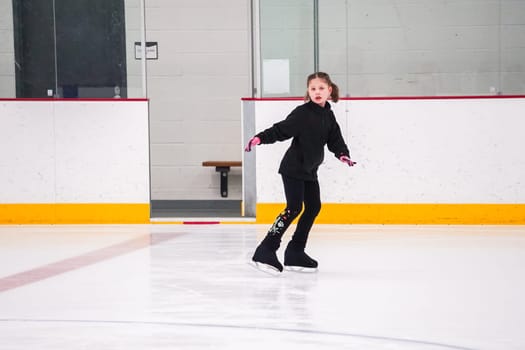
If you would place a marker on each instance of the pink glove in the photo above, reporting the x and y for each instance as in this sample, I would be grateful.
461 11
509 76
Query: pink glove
347 160
254 141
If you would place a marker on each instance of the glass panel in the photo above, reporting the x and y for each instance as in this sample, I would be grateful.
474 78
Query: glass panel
80 49
7 56
90 48
287 46
134 24
424 48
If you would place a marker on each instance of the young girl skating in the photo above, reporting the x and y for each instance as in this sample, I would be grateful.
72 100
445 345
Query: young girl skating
312 126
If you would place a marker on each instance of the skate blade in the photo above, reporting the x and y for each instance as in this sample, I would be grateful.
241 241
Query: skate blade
301 269
269 269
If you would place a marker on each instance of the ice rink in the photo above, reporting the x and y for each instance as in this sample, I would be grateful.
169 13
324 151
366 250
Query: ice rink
164 286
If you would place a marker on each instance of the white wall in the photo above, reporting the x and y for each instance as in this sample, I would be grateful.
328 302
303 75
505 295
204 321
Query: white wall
74 152
412 151
7 51
204 66
194 87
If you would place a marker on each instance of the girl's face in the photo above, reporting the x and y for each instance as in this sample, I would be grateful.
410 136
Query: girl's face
319 91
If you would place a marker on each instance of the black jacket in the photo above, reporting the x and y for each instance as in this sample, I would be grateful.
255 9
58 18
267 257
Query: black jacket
312 127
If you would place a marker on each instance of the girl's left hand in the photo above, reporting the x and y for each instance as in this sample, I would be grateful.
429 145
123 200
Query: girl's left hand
347 160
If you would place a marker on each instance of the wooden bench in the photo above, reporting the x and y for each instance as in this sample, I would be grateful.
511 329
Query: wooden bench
224 168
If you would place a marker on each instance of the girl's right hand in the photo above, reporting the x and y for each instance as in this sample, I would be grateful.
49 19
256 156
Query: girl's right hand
254 141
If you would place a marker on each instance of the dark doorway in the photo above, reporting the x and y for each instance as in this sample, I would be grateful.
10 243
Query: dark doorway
67 48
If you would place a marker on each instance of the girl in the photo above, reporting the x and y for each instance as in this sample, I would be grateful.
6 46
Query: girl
312 126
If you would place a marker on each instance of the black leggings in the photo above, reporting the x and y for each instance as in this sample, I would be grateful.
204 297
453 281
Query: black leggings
298 192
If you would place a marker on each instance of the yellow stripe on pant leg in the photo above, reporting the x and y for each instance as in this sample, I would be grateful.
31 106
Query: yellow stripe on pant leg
471 214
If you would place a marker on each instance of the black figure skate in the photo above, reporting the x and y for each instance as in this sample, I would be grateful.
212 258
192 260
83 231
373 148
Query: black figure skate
295 259
265 259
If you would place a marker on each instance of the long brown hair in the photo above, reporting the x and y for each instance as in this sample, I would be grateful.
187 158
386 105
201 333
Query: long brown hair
326 78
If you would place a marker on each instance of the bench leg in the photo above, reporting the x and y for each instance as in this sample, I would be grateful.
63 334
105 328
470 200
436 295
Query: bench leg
224 180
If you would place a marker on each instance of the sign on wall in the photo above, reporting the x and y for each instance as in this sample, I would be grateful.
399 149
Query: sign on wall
152 52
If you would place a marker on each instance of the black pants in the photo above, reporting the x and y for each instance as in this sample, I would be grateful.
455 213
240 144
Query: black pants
297 192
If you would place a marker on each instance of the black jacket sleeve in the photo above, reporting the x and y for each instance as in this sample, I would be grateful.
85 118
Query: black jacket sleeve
283 130
336 144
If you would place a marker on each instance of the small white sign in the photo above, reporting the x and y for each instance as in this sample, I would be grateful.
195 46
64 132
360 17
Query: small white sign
151 50
276 76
